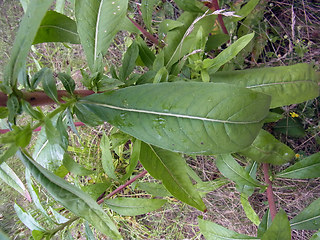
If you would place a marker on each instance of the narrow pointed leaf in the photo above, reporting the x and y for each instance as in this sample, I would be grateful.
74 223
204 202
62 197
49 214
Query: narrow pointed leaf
8 153
67 82
134 206
226 55
88 231
49 85
71 197
58 217
264 224
10 177
75 167
171 169
56 27
147 7
279 229
249 211
106 157
135 154
232 170
98 22
213 231
267 149
129 61
153 188
306 168
286 84
24 38
190 5
186 117
27 219
308 218
246 10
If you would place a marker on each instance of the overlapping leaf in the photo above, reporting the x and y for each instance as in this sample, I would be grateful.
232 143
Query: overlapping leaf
286 85
98 22
279 229
71 197
186 117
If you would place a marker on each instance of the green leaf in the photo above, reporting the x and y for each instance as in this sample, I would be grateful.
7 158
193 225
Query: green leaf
83 111
213 231
75 167
216 40
24 4
95 190
3 236
88 231
38 235
134 206
32 112
24 38
13 106
161 76
190 5
264 224
27 219
3 112
279 229
98 22
267 149
181 39
291 127
52 132
286 84
9 177
306 168
187 117
171 169
129 61
56 27
106 157
155 189
71 197
251 168
67 82
134 157
145 54
232 170
10 152
58 217
249 211
308 218
246 10
49 85
316 236
38 77
60 6
147 7
226 55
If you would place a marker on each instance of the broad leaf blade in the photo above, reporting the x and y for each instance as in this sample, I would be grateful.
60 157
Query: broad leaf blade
71 197
134 206
232 170
75 167
186 117
306 168
213 231
308 218
286 84
171 169
56 27
24 38
98 22
267 149
279 229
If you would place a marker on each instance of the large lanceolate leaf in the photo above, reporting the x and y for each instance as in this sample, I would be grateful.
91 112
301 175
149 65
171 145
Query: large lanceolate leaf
56 27
286 85
71 197
213 231
171 169
267 149
98 22
188 117
304 169
309 218
24 38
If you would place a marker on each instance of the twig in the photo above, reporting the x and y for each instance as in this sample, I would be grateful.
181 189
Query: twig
144 172
270 196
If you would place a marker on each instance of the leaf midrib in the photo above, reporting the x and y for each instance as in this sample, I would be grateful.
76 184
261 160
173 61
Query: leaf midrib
60 28
167 114
279 83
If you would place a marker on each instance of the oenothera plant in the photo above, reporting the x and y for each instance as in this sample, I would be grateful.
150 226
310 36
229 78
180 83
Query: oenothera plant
180 100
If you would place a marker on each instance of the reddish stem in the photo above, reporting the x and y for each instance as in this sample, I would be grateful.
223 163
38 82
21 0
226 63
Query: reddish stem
214 5
144 172
145 32
270 196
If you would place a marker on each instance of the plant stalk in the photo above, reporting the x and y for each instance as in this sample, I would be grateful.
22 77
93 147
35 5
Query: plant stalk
214 5
40 98
270 196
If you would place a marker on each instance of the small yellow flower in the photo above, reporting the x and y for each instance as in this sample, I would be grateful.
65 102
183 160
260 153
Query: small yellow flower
293 114
297 155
